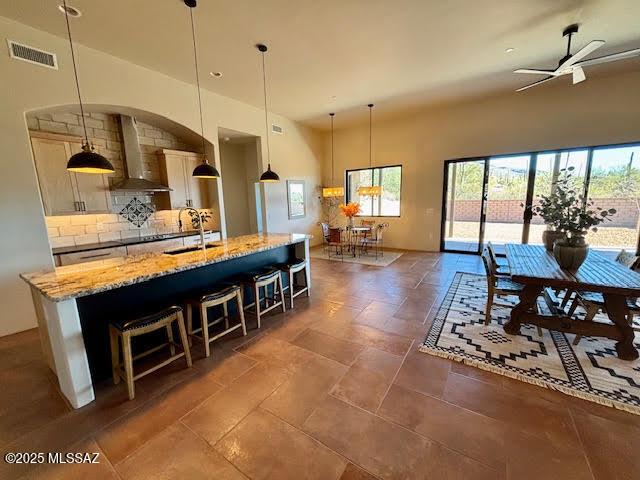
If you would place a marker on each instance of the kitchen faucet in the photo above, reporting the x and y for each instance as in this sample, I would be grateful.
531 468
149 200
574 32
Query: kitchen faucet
200 223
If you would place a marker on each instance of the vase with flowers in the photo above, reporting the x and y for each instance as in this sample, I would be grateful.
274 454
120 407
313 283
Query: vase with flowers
350 210
570 216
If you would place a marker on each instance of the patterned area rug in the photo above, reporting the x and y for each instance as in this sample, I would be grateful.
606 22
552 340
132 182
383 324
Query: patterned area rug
382 261
589 370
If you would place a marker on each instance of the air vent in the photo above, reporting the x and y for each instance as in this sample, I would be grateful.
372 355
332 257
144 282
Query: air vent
32 55
277 129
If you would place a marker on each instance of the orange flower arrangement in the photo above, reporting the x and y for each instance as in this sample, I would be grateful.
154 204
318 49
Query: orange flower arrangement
350 210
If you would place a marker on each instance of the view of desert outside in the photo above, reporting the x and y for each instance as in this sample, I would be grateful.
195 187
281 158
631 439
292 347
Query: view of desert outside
614 183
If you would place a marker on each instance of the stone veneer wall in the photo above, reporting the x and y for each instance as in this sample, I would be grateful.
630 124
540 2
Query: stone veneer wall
104 131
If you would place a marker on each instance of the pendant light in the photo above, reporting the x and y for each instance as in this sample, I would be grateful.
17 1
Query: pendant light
205 169
373 190
86 161
332 191
268 176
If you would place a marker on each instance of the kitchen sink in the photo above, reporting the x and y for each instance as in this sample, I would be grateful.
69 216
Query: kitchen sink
193 248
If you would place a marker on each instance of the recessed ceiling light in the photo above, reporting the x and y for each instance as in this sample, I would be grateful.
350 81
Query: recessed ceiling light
510 49
71 11
226 139
215 74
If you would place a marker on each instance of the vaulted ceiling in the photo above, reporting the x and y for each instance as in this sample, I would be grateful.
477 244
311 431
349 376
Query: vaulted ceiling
339 55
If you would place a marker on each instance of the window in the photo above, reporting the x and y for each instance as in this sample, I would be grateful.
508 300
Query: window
385 205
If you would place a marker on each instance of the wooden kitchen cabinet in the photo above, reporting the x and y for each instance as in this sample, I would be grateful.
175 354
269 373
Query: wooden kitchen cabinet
90 256
65 192
176 169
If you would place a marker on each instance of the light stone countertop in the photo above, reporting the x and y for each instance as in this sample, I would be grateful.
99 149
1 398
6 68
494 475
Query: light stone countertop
84 279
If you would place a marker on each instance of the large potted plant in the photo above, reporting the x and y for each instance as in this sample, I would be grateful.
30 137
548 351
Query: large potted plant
576 216
548 209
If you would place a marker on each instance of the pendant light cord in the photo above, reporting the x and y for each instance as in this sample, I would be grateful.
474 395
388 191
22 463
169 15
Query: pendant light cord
195 59
332 168
75 72
266 118
370 135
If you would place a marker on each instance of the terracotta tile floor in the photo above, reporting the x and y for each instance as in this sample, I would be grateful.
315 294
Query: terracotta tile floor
333 389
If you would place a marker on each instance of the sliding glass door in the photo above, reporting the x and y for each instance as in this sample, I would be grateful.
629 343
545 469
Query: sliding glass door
490 199
463 200
507 185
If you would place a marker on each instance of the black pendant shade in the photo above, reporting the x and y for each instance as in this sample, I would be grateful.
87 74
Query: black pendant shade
269 175
88 161
205 170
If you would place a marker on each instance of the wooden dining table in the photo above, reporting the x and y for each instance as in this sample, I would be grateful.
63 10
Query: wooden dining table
538 271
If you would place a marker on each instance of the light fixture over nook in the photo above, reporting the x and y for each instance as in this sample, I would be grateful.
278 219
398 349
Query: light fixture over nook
86 161
332 191
268 176
372 190
205 169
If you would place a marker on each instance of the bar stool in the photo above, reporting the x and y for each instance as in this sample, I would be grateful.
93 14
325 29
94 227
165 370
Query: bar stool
291 268
221 296
125 330
269 276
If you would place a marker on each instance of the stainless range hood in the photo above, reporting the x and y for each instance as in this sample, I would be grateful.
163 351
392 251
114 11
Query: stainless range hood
133 159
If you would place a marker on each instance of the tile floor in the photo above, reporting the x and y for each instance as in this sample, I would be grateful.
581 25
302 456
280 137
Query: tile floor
334 389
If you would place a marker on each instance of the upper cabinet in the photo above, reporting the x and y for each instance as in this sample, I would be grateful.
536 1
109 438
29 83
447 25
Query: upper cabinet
186 191
65 192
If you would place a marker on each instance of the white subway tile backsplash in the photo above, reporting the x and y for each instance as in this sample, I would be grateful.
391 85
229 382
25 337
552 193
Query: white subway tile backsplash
107 218
58 221
57 242
89 238
83 219
109 236
71 230
53 232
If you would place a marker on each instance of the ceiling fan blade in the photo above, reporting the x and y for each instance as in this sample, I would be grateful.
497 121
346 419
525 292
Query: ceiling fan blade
609 58
580 54
534 71
578 75
535 83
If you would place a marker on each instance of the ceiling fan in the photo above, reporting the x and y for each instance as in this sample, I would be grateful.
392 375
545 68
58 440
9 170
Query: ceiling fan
573 64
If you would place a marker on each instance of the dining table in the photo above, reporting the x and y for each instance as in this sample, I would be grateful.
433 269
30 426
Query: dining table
537 269
354 235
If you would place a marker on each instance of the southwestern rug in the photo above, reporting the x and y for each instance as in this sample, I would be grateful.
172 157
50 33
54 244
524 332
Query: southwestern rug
590 370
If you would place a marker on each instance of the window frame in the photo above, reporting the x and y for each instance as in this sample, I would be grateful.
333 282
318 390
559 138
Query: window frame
348 187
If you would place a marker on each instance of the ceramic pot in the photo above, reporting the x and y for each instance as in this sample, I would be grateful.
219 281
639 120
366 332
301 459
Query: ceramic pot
570 254
550 236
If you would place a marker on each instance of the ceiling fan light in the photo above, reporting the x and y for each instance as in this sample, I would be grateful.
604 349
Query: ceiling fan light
205 170
88 161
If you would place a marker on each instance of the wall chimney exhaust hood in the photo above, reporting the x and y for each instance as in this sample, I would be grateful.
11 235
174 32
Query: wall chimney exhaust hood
134 181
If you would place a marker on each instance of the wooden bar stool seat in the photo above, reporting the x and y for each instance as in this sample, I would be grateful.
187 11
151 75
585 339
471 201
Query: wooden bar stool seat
291 268
263 279
127 329
220 296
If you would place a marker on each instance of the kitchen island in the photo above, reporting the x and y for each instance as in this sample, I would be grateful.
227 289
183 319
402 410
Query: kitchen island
75 304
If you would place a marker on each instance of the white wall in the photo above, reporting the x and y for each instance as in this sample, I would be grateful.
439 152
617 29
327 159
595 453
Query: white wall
599 111
107 80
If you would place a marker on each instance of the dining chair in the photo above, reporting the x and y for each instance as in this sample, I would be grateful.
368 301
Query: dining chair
625 258
500 263
325 234
375 240
500 286
593 302
335 240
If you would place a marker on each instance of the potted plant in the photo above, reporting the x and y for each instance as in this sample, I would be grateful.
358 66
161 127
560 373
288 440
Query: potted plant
575 216
549 210
350 210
